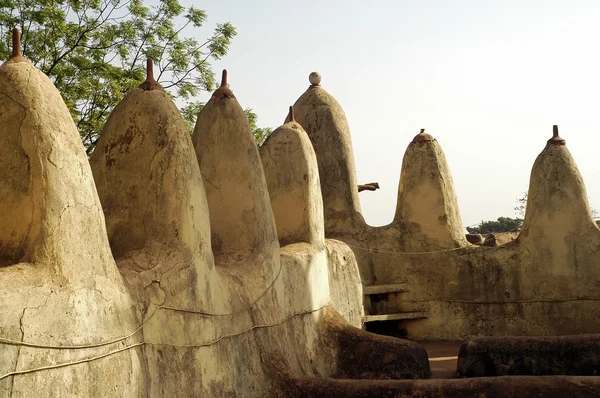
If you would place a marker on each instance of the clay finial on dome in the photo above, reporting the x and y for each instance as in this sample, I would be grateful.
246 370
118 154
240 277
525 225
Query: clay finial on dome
315 79
423 137
556 139
17 55
150 83
224 90
290 117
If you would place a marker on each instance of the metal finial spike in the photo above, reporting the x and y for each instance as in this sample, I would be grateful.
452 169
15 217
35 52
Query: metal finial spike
556 139
224 90
291 115
150 83
17 55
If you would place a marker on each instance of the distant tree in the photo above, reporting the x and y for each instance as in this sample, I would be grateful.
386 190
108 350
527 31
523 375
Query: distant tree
95 50
504 224
521 206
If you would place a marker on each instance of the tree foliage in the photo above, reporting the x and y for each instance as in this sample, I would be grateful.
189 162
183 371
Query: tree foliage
521 206
260 133
504 224
94 51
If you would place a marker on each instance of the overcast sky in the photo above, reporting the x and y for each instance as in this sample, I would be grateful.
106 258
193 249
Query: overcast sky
487 79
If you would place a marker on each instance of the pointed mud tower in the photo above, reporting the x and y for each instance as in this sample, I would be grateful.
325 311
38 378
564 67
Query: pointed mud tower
147 175
241 218
59 284
558 219
47 188
17 210
158 223
290 166
427 208
324 120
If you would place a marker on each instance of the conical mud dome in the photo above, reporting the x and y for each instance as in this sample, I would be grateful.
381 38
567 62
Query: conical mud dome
50 211
17 207
558 216
241 217
147 174
66 289
427 207
291 171
324 121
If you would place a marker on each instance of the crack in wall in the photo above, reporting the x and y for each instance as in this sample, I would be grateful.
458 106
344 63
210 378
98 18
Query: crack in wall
22 328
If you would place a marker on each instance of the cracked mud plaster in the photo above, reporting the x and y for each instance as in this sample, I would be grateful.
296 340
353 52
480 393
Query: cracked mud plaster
70 290
72 293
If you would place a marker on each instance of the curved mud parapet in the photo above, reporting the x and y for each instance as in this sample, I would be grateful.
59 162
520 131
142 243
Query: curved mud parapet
497 387
66 298
558 221
577 355
364 355
241 218
290 167
427 209
324 120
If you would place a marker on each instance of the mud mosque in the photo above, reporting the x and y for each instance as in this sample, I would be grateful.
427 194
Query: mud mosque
176 266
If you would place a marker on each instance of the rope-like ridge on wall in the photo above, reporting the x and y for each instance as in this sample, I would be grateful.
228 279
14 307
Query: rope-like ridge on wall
119 339
207 344
65 364
225 336
242 310
82 346
407 253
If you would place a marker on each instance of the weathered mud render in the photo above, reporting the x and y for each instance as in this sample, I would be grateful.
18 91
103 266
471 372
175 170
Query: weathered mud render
170 265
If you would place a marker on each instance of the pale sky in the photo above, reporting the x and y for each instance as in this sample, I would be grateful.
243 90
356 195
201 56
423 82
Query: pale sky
487 79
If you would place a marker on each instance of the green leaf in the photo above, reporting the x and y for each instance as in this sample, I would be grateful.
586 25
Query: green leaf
95 51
